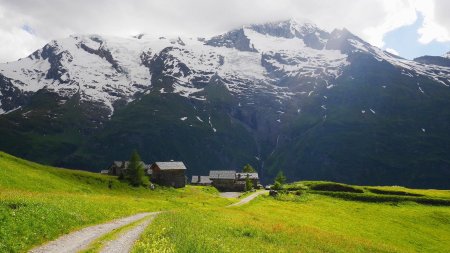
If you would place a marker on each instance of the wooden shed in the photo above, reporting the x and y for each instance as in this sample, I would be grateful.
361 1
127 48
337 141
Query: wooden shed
169 174
119 168
201 180
253 176
225 180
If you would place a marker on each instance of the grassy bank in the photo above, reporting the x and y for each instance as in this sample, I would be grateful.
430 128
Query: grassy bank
39 203
309 222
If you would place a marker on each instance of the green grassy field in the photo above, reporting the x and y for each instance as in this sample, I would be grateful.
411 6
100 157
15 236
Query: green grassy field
306 223
39 203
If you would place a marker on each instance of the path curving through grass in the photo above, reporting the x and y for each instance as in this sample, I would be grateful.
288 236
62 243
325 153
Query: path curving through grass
79 240
125 241
249 198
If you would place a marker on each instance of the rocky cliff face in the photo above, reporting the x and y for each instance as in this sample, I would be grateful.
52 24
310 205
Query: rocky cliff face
282 96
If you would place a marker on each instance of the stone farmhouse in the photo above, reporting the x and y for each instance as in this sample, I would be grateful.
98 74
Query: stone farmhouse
253 176
201 180
171 174
119 168
227 180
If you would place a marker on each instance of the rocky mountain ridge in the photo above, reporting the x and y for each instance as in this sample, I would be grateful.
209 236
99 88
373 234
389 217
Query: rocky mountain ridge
280 95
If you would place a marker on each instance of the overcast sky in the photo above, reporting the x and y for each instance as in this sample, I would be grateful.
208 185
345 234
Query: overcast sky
26 25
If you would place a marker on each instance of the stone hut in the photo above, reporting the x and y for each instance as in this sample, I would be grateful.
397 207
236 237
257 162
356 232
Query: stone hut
119 168
201 180
253 176
169 174
225 180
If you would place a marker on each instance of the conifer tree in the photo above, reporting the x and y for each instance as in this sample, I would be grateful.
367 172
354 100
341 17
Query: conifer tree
248 169
248 184
135 171
280 178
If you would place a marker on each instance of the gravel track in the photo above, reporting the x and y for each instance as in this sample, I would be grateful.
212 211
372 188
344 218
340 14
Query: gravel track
233 195
79 240
124 243
248 198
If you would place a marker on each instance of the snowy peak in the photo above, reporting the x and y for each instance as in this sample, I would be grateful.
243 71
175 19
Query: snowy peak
102 69
309 33
447 55
234 39
286 29
256 58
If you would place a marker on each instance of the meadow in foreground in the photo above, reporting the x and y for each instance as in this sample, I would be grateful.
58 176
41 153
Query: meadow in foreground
39 203
309 222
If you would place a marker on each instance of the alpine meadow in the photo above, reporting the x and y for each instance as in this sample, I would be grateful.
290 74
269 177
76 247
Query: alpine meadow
152 126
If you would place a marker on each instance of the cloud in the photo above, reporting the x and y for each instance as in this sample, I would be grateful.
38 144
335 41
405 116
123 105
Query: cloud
15 41
52 19
395 14
436 21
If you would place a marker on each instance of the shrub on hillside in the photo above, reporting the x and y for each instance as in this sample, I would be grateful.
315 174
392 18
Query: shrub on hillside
248 184
386 198
280 178
335 187
276 186
389 192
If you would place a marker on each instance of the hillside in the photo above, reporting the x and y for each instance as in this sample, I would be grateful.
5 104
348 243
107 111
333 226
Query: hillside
38 203
319 105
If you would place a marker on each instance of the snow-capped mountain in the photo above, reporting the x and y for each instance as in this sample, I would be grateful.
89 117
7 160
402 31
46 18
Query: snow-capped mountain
285 88
447 55
268 57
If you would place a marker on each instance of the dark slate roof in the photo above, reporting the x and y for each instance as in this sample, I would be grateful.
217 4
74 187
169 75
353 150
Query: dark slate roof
120 163
171 165
243 175
203 180
222 174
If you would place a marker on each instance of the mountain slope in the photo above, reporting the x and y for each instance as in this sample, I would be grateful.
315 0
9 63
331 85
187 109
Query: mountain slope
282 96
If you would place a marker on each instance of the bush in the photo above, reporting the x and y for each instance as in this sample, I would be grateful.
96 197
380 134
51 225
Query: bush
276 186
335 187
280 178
299 192
389 192
295 187
386 198
248 184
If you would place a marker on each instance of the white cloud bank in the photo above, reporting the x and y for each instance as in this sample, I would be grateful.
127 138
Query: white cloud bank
50 19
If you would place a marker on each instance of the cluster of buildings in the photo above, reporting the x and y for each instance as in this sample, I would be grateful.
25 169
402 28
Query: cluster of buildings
227 180
173 174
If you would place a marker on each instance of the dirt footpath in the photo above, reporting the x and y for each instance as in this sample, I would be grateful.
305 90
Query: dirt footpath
79 240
